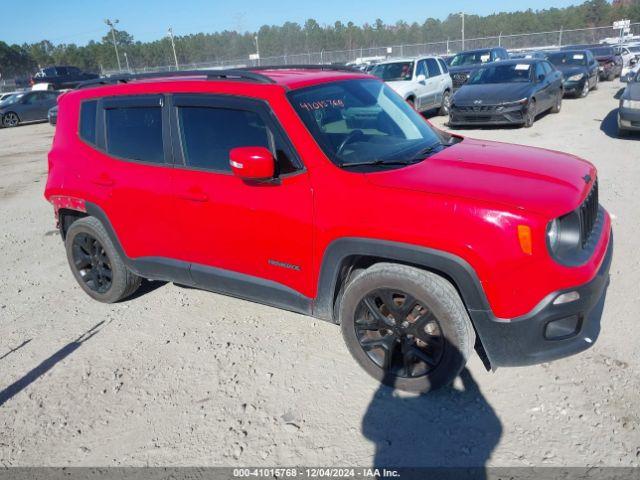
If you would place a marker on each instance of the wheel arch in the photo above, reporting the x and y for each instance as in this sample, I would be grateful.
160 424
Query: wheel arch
66 217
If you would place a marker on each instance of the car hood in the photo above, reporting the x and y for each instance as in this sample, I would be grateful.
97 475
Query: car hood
400 86
7 104
606 58
632 92
492 94
523 178
463 69
570 70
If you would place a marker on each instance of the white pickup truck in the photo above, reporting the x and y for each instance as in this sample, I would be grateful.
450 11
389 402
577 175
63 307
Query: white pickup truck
423 81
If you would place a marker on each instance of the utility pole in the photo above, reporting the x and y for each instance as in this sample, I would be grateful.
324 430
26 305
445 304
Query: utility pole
462 16
560 39
113 35
126 59
173 46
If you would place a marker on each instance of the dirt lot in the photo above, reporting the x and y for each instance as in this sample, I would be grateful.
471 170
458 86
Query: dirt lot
177 376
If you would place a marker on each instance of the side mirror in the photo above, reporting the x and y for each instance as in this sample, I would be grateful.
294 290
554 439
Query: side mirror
541 77
252 163
421 78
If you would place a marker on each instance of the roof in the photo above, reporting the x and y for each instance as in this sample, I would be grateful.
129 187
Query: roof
406 59
294 78
288 77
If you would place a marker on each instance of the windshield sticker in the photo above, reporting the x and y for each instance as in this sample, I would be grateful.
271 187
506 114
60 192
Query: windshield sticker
522 66
578 56
322 104
485 58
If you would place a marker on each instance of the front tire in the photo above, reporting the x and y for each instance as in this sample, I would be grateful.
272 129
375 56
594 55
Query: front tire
406 327
530 115
10 119
446 103
96 264
557 105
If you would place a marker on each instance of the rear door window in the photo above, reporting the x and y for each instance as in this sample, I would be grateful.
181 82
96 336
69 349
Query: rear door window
133 130
432 67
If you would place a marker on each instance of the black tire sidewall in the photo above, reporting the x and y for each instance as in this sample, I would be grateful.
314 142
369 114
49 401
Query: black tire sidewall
456 349
119 273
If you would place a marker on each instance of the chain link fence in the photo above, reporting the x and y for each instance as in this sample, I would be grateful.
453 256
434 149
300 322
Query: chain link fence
538 40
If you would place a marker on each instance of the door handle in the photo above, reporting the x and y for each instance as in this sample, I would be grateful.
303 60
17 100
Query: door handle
104 181
194 196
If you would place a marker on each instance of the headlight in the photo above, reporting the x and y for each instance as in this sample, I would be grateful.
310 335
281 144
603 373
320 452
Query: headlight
576 78
522 101
553 234
631 104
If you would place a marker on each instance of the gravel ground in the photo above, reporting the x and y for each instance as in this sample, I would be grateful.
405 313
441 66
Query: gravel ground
178 376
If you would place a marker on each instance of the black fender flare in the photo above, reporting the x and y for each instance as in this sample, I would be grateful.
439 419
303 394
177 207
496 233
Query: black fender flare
456 269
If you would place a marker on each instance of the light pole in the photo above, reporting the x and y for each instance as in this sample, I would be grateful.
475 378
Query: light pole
113 35
462 16
126 59
173 46
257 49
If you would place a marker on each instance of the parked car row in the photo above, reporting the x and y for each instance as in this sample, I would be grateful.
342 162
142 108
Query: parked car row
493 87
28 106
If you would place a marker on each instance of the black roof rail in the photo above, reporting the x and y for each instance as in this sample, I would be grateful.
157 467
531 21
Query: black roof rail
236 73
342 68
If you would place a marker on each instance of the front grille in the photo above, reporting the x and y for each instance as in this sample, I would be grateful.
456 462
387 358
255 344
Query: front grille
589 214
459 79
477 108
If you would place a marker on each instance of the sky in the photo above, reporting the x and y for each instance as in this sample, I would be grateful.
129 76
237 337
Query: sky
78 21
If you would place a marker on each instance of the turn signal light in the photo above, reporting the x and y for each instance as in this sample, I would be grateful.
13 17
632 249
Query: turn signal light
524 236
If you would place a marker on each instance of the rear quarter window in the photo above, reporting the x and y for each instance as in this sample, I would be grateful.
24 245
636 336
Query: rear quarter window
87 129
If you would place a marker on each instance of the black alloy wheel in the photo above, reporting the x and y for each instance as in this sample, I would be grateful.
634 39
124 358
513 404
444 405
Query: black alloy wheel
92 263
398 333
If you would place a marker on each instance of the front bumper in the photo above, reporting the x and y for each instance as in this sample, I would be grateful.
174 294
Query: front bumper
629 119
574 88
535 338
486 115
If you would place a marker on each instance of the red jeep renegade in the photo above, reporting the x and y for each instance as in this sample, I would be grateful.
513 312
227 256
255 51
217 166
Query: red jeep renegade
324 193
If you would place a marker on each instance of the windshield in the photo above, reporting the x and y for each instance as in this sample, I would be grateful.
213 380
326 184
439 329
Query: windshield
390 72
501 73
471 58
363 121
12 98
635 49
603 52
570 58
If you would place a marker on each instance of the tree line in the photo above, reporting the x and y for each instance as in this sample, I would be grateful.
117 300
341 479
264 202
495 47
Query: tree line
293 38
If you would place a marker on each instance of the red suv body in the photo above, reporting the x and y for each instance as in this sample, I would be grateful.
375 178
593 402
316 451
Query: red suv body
283 186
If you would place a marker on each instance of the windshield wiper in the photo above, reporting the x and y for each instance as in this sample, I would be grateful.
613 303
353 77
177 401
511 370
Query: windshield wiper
378 161
424 153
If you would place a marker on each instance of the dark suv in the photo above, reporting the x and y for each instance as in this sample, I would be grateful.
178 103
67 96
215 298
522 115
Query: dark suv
60 77
463 63
324 193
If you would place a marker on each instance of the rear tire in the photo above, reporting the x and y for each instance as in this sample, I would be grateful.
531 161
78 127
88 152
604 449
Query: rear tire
96 264
595 85
418 351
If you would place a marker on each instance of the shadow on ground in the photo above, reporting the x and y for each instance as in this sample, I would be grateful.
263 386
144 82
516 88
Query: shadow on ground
445 428
33 375
610 127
